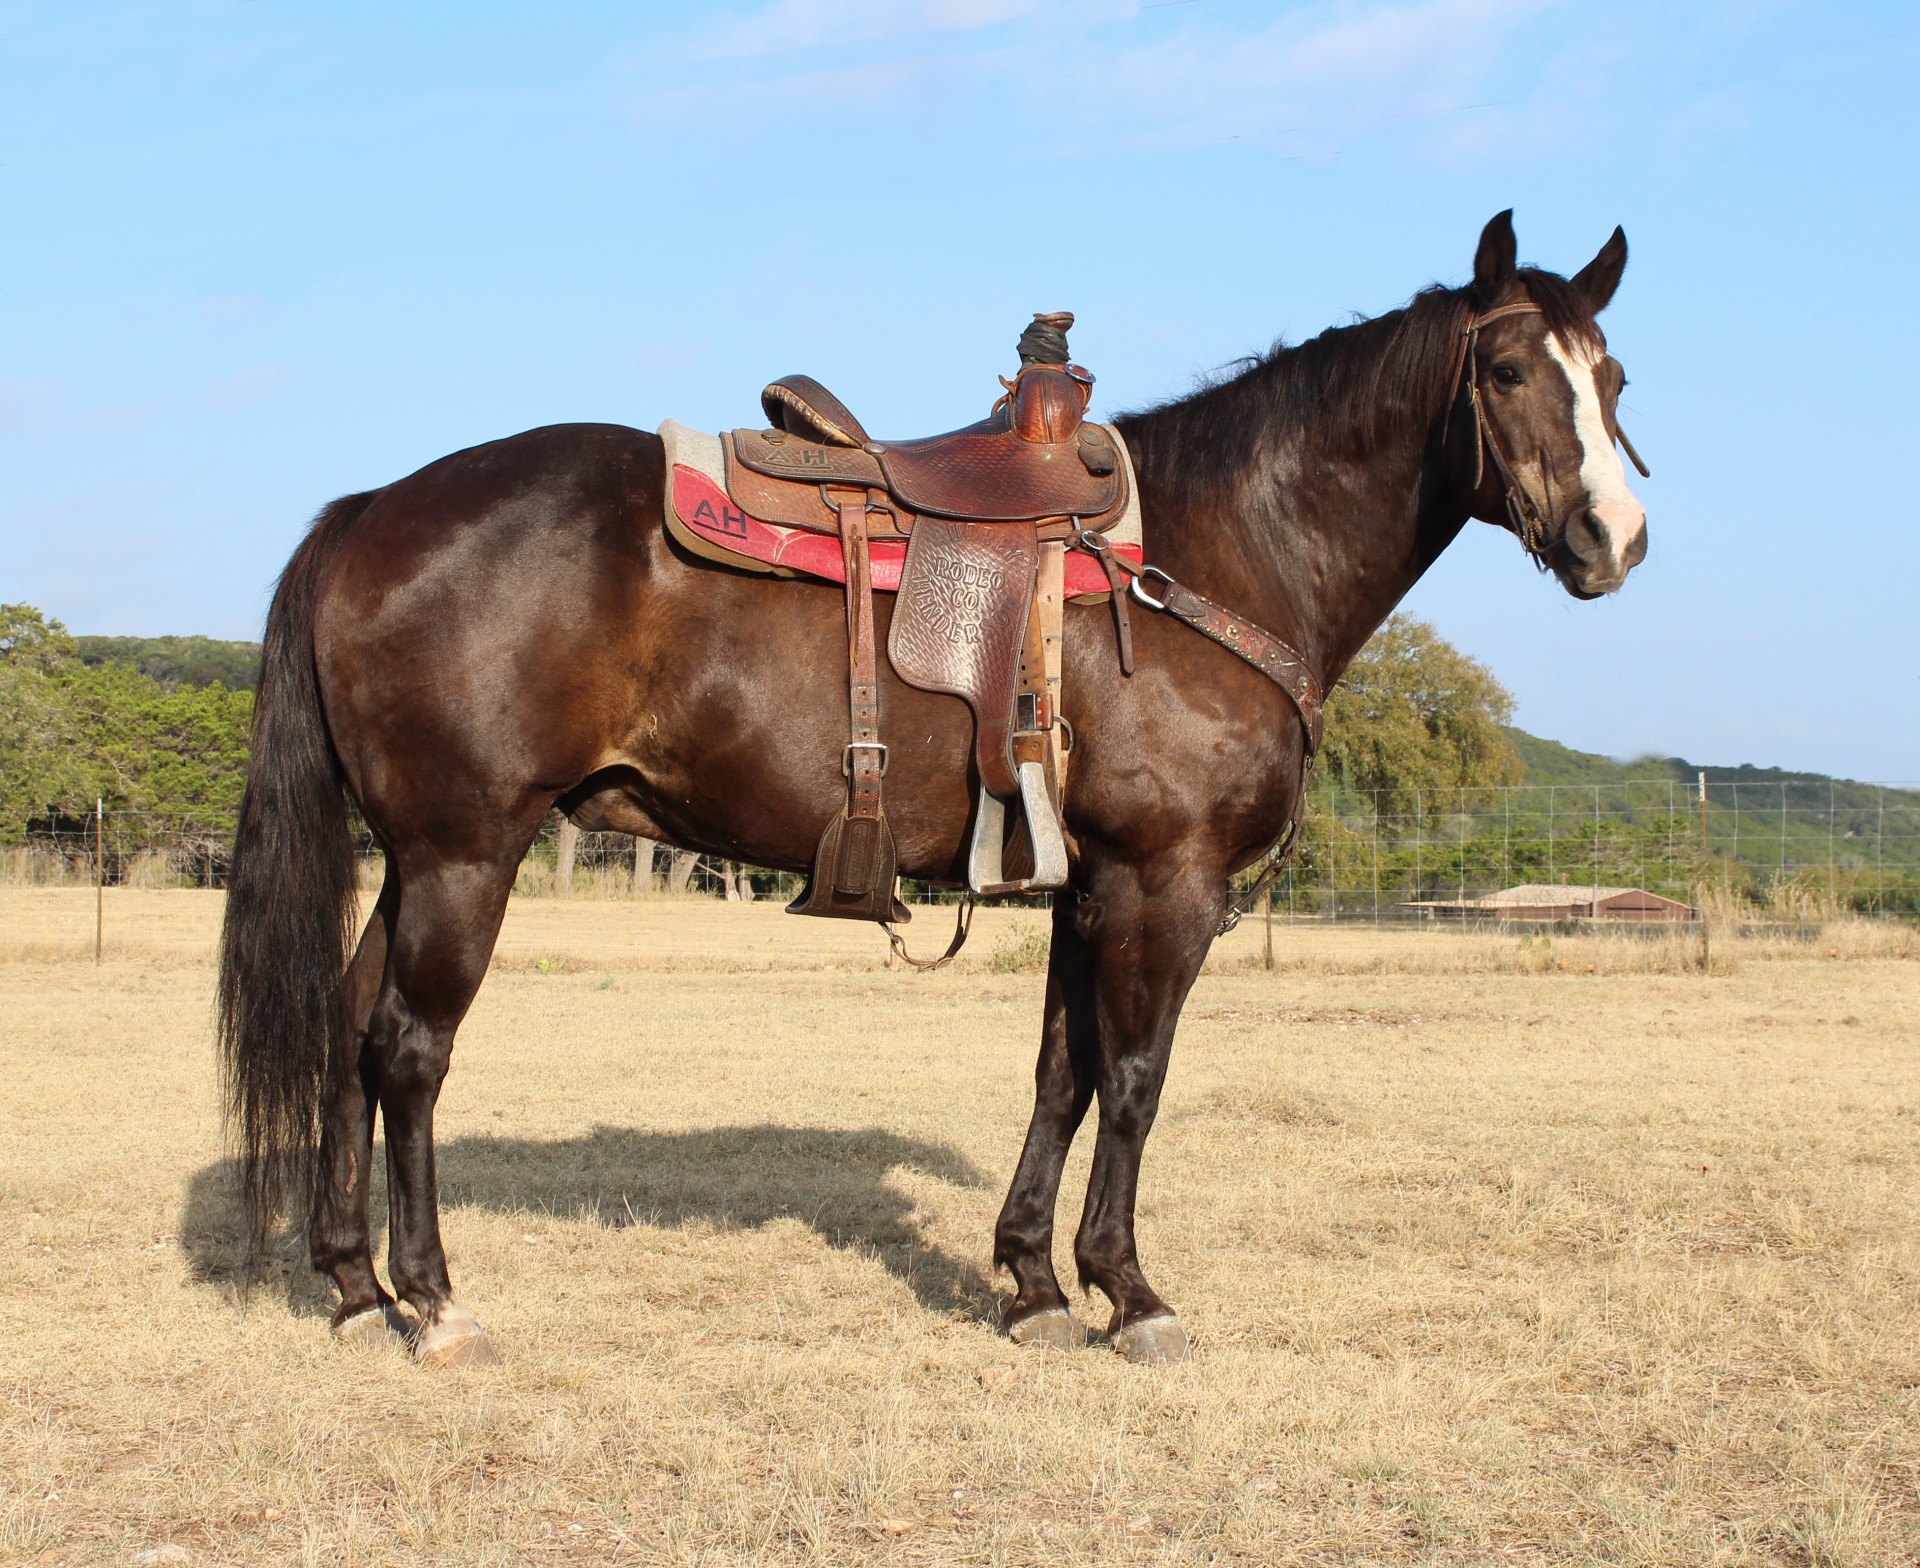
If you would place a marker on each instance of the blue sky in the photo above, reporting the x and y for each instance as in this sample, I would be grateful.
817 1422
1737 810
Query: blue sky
259 254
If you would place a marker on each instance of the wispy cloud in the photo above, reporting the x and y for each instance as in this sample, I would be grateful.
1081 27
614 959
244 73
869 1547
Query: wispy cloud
1310 79
1315 76
246 389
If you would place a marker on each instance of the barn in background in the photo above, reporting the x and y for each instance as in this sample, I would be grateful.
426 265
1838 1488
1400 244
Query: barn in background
1544 901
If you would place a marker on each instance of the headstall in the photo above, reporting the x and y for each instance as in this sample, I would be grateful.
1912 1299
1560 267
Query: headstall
1523 513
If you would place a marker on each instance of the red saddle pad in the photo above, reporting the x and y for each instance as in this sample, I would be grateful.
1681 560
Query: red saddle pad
713 526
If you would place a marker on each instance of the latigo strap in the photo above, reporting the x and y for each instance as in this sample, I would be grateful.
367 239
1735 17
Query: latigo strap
854 867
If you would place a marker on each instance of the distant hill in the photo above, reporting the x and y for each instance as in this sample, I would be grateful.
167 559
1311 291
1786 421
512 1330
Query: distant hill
1771 816
179 661
1549 762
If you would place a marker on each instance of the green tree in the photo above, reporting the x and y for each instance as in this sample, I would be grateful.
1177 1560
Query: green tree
1413 712
70 731
178 661
28 640
39 761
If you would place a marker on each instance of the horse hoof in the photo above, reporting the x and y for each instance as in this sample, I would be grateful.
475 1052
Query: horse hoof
1055 1326
454 1339
373 1327
1152 1341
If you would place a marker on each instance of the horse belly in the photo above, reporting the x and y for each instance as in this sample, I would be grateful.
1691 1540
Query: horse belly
739 728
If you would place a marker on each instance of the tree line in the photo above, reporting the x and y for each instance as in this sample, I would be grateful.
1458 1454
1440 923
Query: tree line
73 732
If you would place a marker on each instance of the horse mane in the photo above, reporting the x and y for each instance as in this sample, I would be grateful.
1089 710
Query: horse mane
1339 396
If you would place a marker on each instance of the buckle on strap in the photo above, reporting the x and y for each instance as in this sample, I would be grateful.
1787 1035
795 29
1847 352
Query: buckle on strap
846 755
1134 588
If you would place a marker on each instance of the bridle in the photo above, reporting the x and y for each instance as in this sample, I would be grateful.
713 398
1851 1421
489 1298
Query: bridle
1523 512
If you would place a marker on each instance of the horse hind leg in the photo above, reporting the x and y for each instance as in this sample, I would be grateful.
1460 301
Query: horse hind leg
448 917
339 1231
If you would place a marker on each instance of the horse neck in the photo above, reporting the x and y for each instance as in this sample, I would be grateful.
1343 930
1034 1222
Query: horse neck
1314 531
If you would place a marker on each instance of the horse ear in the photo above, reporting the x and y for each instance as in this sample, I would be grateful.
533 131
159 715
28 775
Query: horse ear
1601 276
1496 261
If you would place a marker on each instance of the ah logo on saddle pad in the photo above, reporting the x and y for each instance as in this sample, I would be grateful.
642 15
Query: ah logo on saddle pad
729 521
704 518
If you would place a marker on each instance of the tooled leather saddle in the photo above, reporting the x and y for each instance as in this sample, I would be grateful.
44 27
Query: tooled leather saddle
970 530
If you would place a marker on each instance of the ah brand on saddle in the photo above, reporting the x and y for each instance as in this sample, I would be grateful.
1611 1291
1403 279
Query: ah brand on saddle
678 636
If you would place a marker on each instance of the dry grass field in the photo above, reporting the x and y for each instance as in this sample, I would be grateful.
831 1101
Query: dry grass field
1492 1253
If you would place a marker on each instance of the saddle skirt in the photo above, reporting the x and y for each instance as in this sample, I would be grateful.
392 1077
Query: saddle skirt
719 512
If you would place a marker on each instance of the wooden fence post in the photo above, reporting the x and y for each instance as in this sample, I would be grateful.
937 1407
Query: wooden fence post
99 877
565 849
681 871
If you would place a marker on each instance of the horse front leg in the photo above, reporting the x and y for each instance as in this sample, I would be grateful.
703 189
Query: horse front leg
1063 1089
1149 930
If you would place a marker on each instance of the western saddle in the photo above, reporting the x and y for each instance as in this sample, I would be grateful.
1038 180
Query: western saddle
986 513
971 530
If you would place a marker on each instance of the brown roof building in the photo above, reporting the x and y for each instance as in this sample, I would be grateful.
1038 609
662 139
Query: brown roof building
1545 901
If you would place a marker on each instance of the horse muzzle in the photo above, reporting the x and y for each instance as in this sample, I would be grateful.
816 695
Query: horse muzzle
1599 545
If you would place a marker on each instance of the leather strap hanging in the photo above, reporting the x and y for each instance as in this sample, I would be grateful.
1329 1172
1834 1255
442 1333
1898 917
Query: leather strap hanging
1286 668
854 866
865 759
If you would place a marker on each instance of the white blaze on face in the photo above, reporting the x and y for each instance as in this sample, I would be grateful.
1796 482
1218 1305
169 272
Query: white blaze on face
1609 498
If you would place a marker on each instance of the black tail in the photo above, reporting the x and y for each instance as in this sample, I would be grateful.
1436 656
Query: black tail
283 948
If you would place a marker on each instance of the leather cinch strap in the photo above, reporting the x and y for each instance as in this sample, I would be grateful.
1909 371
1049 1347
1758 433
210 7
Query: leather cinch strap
866 757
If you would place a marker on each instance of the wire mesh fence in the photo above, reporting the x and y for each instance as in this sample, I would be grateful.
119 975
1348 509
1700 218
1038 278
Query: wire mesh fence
1786 850
1808 849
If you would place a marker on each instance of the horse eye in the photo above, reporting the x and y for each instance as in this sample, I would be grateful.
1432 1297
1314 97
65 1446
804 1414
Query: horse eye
1508 375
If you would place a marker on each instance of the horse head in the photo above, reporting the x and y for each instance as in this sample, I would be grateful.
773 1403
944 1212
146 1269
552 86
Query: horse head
1533 439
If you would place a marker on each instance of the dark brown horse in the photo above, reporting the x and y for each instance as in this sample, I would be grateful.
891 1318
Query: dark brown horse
512 628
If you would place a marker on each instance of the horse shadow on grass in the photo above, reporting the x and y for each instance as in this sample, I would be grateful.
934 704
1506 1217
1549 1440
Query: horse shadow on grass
838 1182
